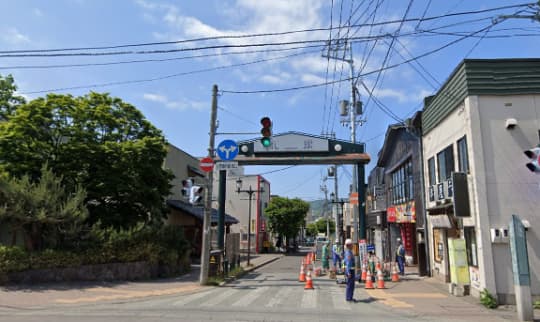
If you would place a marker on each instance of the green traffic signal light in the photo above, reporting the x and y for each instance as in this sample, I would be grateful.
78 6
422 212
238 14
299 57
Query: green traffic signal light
266 142
266 131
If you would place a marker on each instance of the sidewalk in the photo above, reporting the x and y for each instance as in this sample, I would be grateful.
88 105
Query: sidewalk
420 295
46 295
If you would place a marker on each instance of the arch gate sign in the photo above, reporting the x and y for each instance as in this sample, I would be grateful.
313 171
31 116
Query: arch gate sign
295 148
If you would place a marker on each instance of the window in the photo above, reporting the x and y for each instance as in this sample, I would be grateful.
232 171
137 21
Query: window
401 189
463 157
470 242
445 162
432 173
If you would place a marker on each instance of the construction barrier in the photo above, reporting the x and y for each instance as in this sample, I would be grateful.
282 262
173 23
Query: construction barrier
302 277
380 279
309 281
369 281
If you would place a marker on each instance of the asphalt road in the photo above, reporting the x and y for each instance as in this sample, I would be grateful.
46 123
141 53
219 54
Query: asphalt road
269 293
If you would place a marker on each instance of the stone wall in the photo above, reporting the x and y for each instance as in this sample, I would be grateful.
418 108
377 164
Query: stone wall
99 272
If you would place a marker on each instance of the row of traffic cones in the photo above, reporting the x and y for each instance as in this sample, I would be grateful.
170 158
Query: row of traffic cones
366 276
306 277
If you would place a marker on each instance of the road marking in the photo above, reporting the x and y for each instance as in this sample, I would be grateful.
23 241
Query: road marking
219 298
338 299
250 296
125 294
190 298
309 299
279 297
387 299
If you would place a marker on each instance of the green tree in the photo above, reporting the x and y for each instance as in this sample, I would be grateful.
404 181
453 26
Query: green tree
312 230
286 216
96 141
8 101
43 211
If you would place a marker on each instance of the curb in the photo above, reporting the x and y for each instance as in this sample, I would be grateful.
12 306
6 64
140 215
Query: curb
249 269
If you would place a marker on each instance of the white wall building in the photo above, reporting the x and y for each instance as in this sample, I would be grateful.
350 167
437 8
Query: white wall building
465 129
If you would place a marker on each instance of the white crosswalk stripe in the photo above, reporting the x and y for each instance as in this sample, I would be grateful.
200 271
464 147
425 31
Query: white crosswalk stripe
309 299
250 296
279 297
216 299
191 298
338 299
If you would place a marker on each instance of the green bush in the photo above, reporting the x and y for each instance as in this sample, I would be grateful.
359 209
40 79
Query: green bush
488 300
165 246
536 304
13 259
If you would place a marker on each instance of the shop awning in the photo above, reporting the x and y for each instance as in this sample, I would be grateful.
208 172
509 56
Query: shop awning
446 208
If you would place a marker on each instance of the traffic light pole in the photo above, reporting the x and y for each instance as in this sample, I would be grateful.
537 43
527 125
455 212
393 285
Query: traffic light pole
205 252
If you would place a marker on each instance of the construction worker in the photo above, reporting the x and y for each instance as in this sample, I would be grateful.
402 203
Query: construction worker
349 270
324 257
400 257
337 254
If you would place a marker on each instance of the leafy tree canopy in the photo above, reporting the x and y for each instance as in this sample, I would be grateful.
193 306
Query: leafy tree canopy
96 141
44 212
286 216
8 101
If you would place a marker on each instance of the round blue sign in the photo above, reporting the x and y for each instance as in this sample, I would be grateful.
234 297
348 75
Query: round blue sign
227 150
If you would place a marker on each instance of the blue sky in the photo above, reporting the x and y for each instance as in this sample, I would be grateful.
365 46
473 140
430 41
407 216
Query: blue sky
178 99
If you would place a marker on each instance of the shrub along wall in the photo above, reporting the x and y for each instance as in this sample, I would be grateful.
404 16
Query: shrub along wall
143 261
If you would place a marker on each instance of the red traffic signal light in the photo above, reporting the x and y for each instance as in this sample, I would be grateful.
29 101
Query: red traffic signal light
266 131
534 155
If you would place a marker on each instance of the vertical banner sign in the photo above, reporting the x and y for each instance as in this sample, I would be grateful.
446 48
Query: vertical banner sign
518 247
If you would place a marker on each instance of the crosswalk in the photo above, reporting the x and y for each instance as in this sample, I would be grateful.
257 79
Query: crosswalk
275 296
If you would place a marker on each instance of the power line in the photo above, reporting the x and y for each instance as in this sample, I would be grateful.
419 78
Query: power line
161 77
158 60
34 51
364 74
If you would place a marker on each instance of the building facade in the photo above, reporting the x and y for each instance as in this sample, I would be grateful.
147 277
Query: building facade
402 178
475 130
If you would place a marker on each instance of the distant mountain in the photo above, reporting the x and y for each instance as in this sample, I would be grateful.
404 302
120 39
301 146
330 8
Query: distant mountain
317 208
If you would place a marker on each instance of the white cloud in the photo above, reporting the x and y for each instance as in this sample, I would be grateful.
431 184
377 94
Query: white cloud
181 105
312 79
13 36
37 12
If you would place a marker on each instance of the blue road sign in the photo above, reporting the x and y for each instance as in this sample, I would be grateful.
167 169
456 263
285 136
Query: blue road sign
227 150
370 247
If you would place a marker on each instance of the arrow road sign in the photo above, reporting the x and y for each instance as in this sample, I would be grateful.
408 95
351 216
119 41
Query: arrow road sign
227 150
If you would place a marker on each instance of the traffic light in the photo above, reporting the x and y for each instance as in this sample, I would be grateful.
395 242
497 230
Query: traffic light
186 188
534 155
266 131
195 196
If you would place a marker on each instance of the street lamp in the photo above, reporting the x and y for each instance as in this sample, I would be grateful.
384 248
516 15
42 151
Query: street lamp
339 219
250 193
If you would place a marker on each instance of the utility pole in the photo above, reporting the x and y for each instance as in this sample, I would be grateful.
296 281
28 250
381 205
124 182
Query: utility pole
358 231
205 252
339 219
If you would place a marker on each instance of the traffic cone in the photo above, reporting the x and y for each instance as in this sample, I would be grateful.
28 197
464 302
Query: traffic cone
364 272
313 257
395 275
309 282
378 266
369 282
302 277
308 259
380 279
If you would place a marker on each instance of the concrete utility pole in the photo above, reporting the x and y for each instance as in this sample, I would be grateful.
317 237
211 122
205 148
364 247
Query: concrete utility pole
359 231
205 252
336 198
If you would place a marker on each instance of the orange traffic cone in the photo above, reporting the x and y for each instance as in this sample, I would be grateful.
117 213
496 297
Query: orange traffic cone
313 257
364 272
309 282
378 266
369 282
395 275
302 277
308 259
380 279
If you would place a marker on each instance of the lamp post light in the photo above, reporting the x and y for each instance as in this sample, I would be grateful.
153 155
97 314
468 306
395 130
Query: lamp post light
339 217
250 193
